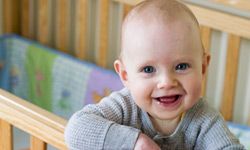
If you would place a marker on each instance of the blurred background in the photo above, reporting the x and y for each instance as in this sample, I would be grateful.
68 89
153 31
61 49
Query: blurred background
89 30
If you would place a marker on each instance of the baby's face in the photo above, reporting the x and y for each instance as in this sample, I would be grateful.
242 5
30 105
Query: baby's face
163 66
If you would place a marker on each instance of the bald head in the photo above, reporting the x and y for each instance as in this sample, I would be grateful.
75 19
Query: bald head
160 12
163 9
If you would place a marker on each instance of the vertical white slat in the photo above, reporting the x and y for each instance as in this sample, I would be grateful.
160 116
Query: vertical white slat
246 106
116 16
242 97
221 68
216 68
246 116
92 33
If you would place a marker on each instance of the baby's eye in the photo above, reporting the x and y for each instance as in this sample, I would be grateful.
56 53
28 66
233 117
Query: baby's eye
148 69
182 66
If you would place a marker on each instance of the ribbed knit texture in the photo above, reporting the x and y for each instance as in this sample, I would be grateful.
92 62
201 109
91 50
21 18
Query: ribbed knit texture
116 122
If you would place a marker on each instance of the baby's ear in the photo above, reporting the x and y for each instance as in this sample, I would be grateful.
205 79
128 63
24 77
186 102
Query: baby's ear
121 71
205 62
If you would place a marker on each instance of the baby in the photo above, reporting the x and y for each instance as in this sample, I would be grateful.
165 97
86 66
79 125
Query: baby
162 65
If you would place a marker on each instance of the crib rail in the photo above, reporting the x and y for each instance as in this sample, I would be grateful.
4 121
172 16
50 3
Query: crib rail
43 126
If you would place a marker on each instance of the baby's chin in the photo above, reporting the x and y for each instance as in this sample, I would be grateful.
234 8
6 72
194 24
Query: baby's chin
167 117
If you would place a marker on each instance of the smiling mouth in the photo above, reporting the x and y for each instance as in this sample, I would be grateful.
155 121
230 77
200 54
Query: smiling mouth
168 100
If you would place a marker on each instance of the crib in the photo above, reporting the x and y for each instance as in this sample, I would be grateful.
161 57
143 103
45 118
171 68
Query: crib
92 34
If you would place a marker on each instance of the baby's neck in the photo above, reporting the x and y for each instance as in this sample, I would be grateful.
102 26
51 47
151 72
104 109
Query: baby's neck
165 127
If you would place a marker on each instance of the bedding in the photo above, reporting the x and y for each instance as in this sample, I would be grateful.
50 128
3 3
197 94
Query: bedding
242 132
51 79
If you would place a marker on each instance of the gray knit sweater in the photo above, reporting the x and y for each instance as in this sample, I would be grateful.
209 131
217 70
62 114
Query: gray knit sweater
116 122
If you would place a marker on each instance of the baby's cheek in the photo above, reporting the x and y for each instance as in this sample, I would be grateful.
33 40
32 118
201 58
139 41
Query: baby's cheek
194 96
197 90
194 87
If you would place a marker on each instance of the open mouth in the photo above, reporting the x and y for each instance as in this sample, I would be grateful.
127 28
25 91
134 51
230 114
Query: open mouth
169 100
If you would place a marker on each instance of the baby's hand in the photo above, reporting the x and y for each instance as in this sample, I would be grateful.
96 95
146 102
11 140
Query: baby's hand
145 143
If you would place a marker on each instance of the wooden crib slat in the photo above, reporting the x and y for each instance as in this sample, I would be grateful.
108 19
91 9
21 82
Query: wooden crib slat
222 21
239 4
25 18
104 36
206 40
62 25
126 9
130 2
206 37
11 16
43 22
81 28
230 77
32 119
37 144
5 135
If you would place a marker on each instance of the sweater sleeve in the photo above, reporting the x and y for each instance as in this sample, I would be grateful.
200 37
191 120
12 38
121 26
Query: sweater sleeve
106 125
215 135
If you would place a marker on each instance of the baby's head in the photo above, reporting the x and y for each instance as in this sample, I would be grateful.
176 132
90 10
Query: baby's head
162 60
159 13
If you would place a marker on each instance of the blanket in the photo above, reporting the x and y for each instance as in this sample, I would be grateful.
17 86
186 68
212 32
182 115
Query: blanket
50 79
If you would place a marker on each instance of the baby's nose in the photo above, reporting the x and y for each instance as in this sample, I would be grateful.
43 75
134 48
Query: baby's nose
167 82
